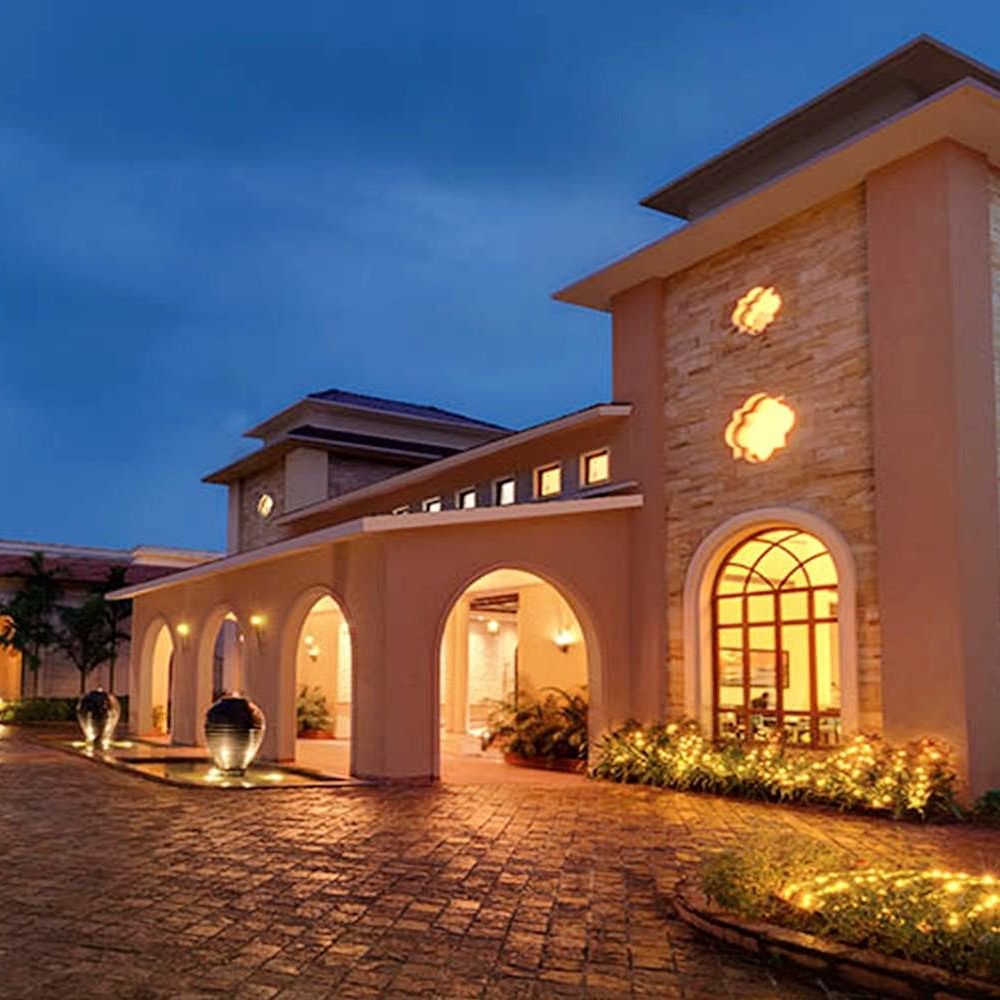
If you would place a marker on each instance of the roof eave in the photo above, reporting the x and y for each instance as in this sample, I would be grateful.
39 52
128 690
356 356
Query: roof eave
413 477
968 112
381 524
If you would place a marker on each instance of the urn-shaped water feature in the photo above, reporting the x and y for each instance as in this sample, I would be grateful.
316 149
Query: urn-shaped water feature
234 728
98 713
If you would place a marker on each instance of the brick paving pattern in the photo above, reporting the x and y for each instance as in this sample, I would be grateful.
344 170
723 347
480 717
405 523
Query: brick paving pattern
117 887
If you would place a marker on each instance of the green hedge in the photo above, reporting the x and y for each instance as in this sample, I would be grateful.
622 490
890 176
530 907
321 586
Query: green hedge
864 774
47 710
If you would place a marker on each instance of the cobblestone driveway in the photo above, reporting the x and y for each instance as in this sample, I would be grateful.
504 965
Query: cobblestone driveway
117 887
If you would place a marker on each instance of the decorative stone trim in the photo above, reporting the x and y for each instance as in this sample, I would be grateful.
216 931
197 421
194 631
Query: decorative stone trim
884 975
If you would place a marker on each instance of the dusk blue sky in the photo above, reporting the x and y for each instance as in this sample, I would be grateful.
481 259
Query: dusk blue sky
211 209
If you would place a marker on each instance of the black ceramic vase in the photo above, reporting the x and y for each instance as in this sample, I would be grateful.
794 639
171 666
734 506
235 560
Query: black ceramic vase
234 728
98 713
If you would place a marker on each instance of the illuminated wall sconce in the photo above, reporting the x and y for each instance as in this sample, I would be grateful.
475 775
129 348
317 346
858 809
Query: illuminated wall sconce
757 310
493 626
265 505
257 623
760 427
564 638
183 631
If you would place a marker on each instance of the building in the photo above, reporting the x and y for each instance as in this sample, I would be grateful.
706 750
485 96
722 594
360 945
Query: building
77 571
786 518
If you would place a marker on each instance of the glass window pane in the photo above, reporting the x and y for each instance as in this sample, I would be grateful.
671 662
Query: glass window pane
760 608
729 664
827 666
795 643
549 482
596 468
795 606
729 610
822 571
761 664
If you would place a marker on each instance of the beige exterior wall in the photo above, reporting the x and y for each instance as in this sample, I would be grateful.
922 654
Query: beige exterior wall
816 356
542 612
994 197
396 590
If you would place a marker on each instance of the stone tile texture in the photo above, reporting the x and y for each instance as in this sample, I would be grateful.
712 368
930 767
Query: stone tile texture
117 887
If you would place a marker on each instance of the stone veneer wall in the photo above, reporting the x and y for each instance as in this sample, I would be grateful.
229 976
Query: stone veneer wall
255 530
347 474
816 356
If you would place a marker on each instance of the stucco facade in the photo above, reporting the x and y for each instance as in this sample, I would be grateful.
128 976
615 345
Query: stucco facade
873 233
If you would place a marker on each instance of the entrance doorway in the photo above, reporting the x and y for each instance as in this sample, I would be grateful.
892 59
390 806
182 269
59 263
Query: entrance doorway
323 688
510 639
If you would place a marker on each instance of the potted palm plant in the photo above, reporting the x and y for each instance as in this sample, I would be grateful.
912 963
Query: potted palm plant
313 720
548 732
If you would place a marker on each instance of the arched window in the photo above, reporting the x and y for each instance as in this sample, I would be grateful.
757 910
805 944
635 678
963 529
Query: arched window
776 656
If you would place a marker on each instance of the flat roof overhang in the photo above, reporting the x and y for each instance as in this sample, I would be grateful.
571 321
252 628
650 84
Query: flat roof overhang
968 113
382 524
592 416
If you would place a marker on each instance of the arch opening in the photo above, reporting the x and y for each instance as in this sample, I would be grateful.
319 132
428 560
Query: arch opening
229 656
776 648
323 684
508 638
161 682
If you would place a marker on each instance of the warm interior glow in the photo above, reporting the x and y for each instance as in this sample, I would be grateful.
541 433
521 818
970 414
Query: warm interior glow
257 621
564 638
756 310
467 499
498 646
265 504
323 663
549 481
505 492
760 427
433 505
777 652
596 468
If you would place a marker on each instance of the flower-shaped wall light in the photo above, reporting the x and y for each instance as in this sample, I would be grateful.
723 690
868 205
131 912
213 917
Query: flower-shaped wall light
760 427
757 310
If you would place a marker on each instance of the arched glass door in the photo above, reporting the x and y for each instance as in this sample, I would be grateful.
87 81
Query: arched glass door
776 657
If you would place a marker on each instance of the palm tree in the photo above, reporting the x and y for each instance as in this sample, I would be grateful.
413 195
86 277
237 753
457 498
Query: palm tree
83 636
115 614
26 620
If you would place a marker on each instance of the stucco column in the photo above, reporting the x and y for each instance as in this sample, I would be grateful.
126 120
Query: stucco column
457 638
140 680
637 340
188 695
931 329
271 688
394 727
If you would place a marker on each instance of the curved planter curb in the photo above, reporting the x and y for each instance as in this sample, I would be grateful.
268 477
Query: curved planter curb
885 975
568 765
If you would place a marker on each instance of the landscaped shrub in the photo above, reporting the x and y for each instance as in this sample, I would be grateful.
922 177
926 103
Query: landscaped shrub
554 726
38 710
311 711
863 774
949 919
48 710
